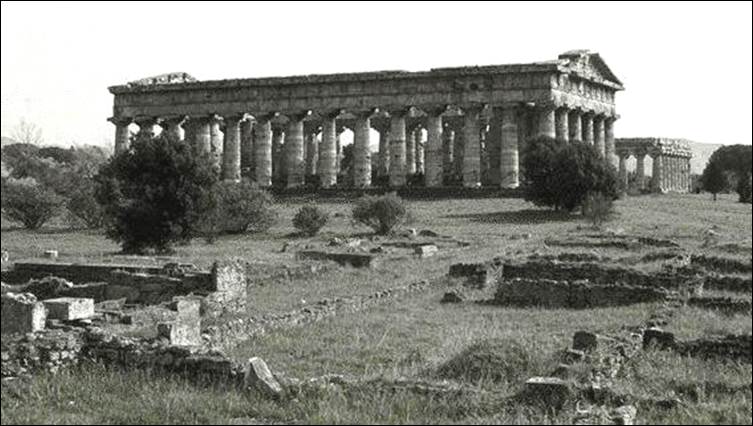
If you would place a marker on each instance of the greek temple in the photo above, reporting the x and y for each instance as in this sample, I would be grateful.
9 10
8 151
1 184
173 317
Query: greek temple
670 163
463 126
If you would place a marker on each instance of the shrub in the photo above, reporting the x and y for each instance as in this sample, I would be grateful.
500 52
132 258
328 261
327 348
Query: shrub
310 220
29 203
561 175
154 194
237 208
598 209
382 214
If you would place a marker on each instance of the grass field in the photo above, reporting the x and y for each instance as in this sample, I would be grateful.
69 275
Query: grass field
415 335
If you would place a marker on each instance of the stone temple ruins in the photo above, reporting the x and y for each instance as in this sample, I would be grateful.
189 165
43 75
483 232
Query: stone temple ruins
671 163
462 125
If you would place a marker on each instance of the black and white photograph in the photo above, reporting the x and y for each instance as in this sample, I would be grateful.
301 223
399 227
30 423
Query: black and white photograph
376 212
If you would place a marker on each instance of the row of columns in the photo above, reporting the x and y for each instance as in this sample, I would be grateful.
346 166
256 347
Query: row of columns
670 173
447 150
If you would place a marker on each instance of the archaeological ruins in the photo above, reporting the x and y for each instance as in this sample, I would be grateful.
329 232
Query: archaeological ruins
671 163
475 120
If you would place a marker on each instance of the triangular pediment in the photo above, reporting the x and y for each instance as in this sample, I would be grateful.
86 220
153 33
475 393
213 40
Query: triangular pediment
589 65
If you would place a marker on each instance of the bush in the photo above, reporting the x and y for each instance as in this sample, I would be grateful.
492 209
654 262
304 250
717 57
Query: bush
382 214
237 208
154 194
310 220
29 203
561 175
598 209
83 206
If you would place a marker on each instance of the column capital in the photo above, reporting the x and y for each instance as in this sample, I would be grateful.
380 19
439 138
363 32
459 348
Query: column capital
332 114
364 113
266 116
146 120
120 121
238 116
298 115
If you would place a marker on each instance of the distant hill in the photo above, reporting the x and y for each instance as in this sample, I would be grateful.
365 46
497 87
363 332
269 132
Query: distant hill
701 154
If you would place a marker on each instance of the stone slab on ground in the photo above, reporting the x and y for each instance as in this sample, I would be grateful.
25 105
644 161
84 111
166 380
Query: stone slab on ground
22 313
258 377
69 308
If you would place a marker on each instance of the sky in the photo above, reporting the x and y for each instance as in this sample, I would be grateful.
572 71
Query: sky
686 67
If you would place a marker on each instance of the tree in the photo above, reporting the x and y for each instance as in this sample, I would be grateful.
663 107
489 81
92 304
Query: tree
714 178
561 175
29 203
744 189
735 161
27 133
154 194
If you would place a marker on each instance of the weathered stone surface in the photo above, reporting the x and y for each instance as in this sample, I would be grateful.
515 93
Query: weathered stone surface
22 313
351 259
426 250
624 415
258 377
69 308
181 333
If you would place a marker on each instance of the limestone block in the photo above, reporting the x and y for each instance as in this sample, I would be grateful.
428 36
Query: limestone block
551 391
259 378
426 250
69 308
187 309
181 333
22 313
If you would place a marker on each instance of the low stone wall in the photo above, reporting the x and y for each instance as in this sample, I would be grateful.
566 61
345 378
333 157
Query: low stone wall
723 304
728 283
572 295
23 271
478 275
735 347
593 272
351 259
721 264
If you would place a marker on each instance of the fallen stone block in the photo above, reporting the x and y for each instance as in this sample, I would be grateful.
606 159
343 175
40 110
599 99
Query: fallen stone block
426 250
258 377
22 313
550 391
69 308
51 254
181 333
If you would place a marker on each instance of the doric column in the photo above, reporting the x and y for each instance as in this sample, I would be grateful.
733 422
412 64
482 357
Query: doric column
434 144
459 150
562 119
247 147
294 155
609 147
576 127
122 134
215 140
312 153
640 169
397 148
263 151
328 152
472 149
383 165
656 173
448 145
362 149
623 174
231 149
146 126
509 159
588 127
546 122
202 139
339 149
173 127
278 163
493 144
599 134
420 150
410 152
